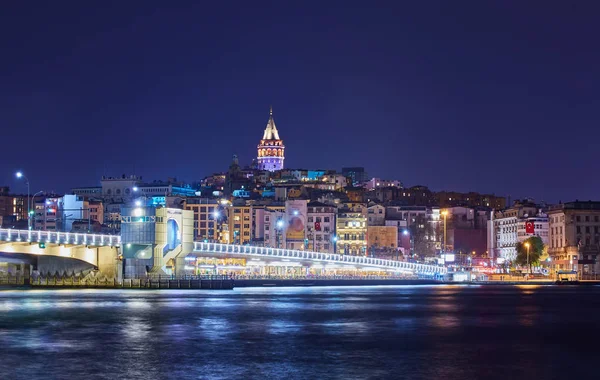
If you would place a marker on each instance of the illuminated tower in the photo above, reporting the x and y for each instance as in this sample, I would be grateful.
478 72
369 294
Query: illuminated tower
271 148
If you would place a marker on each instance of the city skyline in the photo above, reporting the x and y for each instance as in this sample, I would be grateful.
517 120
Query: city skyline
480 109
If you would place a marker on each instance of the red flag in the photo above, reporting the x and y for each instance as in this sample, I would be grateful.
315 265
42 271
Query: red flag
318 226
529 228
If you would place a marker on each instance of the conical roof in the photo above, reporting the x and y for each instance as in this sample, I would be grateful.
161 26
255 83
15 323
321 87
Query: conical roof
271 130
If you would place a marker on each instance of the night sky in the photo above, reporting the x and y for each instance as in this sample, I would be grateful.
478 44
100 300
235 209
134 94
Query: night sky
489 96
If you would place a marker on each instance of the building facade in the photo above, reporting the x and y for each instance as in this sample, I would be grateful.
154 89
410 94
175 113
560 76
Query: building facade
271 151
357 175
508 227
574 239
320 227
351 232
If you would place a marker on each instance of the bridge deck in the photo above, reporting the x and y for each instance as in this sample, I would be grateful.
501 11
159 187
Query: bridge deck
54 237
315 257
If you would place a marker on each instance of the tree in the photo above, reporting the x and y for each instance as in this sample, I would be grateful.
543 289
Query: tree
536 249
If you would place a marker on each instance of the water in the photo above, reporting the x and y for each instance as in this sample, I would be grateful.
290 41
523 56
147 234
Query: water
404 332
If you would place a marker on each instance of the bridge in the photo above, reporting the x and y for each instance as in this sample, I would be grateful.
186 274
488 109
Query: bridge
165 252
313 259
52 249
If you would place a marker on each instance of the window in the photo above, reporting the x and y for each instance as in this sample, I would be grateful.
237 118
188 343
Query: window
118 192
326 219
195 216
267 218
578 218
578 229
202 208
596 219
587 218
202 224
310 219
246 226
202 216
318 219
266 237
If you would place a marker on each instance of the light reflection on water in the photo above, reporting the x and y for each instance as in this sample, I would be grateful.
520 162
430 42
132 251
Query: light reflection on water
297 333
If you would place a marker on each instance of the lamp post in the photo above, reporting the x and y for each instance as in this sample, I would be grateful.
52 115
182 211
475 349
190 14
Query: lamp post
527 247
335 239
279 228
444 214
20 175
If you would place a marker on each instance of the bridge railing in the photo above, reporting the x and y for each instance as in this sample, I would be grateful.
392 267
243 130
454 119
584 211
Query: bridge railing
333 258
54 237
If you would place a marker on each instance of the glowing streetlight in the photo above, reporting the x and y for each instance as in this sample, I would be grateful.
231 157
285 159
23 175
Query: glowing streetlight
138 203
20 175
405 232
527 246
135 188
444 214
280 224
216 214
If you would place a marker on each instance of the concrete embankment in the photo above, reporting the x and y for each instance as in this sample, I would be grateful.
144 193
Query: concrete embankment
238 283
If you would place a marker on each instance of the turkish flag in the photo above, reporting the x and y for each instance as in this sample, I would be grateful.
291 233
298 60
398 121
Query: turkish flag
529 228
317 226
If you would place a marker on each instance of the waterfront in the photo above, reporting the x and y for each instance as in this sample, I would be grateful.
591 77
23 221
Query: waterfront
422 332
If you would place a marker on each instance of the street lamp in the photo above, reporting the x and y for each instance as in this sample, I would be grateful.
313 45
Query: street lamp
279 226
20 175
444 214
335 239
527 246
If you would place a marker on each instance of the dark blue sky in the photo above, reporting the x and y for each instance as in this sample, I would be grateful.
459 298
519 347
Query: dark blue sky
490 96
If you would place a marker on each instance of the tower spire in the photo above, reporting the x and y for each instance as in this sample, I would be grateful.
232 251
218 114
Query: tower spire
271 110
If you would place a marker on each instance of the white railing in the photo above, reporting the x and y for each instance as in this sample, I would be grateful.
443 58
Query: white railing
54 237
277 253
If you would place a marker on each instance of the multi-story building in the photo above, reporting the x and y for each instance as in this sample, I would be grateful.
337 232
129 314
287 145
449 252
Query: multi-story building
446 199
239 217
271 151
48 214
320 226
374 183
261 212
296 219
376 215
509 227
466 230
357 175
382 240
574 239
351 231
338 181
207 218
274 227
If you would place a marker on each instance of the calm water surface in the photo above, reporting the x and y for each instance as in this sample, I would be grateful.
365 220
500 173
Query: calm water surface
404 332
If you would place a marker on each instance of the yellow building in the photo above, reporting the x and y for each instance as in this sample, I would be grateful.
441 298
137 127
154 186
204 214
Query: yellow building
207 218
351 232
383 236
239 220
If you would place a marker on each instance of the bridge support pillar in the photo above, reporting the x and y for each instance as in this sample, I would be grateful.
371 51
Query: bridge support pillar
179 266
108 262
